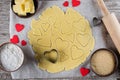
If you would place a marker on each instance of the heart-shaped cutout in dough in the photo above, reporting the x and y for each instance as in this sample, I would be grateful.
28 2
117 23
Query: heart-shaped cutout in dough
37 32
51 55
76 52
45 40
45 26
83 39
61 44
67 28
63 57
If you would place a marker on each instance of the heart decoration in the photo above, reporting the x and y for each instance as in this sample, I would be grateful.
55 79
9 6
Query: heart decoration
23 43
14 39
66 4
75 3
84 71
51 55
19 27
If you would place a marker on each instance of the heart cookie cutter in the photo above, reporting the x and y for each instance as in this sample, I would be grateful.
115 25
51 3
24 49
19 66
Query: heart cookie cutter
50 58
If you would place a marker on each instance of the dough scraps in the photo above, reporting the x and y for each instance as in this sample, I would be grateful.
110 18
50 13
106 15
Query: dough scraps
69 33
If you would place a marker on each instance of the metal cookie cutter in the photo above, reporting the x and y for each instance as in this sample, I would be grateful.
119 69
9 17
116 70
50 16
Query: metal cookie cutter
51 55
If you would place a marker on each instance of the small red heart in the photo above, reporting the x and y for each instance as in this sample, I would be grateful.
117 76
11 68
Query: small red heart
75 3
19 27
14 39
66 4
84 71
23 42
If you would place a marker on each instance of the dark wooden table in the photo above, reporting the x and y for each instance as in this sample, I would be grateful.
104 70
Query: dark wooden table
113 6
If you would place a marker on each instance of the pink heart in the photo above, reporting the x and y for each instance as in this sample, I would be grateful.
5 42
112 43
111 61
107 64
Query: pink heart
75 3
84 71
14 39
23 43
19 27
66 4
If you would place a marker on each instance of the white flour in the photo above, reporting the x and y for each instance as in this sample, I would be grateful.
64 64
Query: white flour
11 57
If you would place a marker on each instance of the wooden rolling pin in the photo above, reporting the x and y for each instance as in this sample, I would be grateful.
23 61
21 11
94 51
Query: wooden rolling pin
111 23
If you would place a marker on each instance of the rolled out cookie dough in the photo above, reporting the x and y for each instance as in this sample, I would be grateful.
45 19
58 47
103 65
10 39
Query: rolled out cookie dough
69 33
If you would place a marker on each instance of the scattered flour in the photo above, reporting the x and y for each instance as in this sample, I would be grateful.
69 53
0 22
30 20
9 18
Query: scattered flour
11 57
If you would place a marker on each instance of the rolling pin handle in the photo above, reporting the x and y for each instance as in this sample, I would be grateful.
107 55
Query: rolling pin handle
103 7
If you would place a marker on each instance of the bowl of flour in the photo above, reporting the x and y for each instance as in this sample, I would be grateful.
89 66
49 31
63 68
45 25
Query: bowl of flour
11 57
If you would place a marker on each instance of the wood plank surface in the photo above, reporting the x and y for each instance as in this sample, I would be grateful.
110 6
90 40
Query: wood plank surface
113 6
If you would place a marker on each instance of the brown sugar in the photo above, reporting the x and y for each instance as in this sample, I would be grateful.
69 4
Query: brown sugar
103 62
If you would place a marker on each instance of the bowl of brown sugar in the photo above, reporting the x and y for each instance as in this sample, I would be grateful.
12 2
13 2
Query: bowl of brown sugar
104 62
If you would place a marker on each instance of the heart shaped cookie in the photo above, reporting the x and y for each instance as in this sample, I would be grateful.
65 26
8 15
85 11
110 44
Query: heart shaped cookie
45 26
83 39
76 52
61 44
63 57
45 40
51 55
67 28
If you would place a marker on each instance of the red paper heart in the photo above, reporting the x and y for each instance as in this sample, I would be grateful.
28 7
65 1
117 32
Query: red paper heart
66 4
14 39
23 42
75 3
84 71
19 27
